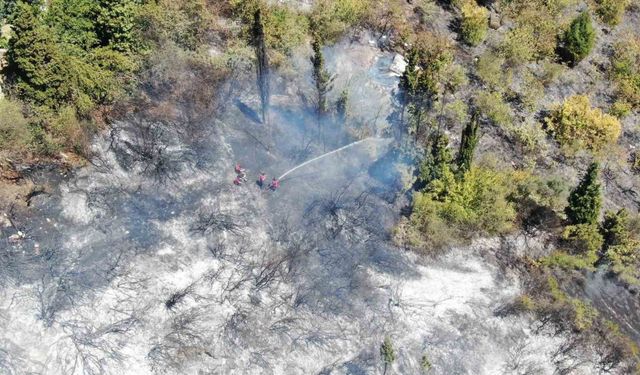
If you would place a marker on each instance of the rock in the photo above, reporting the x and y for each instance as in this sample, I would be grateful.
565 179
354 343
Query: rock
17 237
494 21
398 65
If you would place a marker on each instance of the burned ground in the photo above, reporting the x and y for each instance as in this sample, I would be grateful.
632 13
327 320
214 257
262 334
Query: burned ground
152 261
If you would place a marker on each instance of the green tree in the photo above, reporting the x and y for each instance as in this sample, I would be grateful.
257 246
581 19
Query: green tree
437 163
74 22
468 145
580 38
387 353
614 228
342 106
37 71
408 81
116 24
474 22
621 248
321 77
6 8
585 200
424 78
262 64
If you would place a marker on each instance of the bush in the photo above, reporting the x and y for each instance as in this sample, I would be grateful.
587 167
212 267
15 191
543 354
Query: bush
491 105
625 70
624 262
476 202
456 112
584 240
535 34
450 210
437 162
622 245
14 131
186 22
68 131
620 109
333 17
531 138
565 261
576 125
474 23
491 70
582 315
582 244
580 38
284 27
519 45
611 11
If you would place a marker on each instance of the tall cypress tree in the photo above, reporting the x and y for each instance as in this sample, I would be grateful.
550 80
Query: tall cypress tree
262 64
408 81
468 145
585 200
437 162
321 76
418 85
342 106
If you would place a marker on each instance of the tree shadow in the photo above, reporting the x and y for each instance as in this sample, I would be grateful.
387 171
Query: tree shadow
248 111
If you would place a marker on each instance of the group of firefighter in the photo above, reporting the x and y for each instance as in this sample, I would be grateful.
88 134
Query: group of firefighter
241 178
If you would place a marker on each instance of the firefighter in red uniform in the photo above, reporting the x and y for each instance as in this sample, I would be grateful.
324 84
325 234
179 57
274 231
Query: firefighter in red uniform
275 184
261 179
239 169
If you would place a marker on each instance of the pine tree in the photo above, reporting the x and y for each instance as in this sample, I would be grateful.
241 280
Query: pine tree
6 8
116 23
418 86
579 39
321 76
468 145
36 70
408 81
437 162
387 353
614 228
258 39
585 200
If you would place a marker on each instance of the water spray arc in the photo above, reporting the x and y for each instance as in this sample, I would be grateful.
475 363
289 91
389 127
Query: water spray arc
327 154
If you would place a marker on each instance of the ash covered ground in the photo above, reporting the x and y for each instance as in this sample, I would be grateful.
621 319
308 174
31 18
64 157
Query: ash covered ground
152 261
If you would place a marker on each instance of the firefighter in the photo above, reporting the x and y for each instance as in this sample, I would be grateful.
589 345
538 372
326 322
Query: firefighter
239 169
275 184
261 179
